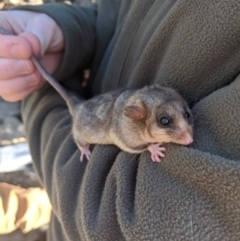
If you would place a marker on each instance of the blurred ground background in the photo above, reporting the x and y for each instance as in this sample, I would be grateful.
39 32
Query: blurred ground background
12 135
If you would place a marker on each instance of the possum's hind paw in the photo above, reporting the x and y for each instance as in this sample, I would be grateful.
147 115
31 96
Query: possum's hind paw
156 151
85 152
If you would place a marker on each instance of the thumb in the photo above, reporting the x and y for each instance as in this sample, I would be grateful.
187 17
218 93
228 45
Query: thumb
49 39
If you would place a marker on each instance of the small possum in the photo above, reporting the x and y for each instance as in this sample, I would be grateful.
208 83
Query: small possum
135 120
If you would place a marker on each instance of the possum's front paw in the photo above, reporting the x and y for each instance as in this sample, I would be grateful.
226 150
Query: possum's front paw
156 151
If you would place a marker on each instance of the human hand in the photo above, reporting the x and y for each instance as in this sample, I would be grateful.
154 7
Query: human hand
36 34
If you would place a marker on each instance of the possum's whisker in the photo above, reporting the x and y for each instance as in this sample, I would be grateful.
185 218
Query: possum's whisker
165 84
195 116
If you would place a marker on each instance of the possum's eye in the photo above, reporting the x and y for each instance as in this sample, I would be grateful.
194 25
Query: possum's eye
165 121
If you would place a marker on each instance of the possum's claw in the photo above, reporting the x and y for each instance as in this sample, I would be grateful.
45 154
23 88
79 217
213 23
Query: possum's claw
156 151
85 152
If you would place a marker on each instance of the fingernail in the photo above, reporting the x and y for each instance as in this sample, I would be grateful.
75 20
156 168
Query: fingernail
16 51
22 66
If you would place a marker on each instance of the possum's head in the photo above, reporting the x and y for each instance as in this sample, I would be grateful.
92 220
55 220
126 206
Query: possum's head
162 114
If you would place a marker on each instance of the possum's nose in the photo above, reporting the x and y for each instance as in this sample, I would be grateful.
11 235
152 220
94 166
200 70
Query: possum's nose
186 139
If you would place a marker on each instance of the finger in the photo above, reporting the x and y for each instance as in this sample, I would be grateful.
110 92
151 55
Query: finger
162 148
14 47
51 61
88 156
161 154
34 42
17 85
81 157
19 95
11 68
158 159
154 158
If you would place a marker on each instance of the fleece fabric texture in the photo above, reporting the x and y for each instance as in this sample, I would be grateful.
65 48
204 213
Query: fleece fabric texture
194 194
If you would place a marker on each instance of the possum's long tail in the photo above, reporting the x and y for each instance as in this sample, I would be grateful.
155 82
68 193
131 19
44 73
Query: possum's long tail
50 79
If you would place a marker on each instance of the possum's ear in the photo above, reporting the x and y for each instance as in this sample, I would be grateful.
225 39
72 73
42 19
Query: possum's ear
136 112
